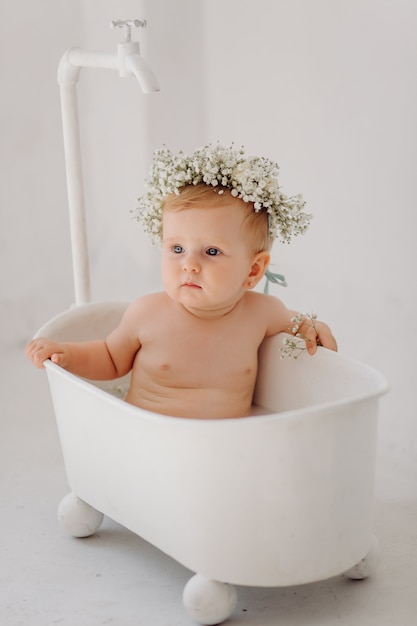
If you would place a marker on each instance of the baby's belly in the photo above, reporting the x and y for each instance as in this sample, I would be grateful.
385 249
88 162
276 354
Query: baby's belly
203 403
191 388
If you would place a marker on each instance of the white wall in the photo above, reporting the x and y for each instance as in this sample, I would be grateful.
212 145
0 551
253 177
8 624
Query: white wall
327 88
32 177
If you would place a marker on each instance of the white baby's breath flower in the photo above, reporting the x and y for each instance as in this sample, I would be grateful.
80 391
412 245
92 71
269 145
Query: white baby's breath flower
253 179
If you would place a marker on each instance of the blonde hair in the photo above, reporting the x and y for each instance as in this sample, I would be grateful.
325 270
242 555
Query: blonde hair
256 223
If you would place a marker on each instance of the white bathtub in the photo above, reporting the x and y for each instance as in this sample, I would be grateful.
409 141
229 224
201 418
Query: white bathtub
281 498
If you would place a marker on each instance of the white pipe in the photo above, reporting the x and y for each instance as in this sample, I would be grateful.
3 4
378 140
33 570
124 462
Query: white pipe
75 191
128 62
91 58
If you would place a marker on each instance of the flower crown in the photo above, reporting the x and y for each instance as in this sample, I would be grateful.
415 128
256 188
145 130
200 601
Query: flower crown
253 179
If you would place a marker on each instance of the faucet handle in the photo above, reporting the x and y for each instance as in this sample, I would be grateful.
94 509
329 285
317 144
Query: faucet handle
127 26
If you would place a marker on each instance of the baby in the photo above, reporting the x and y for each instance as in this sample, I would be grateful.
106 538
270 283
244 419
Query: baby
192 349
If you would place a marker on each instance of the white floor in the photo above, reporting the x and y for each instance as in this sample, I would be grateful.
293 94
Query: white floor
114 577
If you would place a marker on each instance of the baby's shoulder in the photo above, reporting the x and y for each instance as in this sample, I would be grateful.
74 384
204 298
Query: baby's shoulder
264 302
151 298
146 305
271 313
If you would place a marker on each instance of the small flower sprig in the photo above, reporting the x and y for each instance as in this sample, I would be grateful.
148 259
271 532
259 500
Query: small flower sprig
294 346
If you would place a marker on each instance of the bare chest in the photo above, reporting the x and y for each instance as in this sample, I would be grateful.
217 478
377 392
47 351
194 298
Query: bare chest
198 355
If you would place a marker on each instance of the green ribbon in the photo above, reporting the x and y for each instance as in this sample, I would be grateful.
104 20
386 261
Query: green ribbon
271 277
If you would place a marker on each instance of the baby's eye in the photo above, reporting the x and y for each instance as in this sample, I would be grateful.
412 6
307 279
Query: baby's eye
213 251
177 249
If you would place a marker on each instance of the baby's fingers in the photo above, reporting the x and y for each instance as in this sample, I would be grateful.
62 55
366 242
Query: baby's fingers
38 351
325 337
312 340
58 359
35 353
318 334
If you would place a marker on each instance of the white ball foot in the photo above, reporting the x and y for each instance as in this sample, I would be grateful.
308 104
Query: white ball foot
209 601
78 518
367 566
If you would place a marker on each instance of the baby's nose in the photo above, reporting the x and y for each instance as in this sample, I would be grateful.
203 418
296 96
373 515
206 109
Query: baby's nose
191 264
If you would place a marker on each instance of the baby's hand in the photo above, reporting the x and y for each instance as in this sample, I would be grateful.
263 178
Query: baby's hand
317 334
40 349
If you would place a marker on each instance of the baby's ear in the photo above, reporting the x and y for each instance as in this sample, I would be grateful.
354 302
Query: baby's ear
258 268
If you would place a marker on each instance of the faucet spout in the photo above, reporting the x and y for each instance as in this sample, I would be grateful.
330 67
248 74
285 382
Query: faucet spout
140 68
131 63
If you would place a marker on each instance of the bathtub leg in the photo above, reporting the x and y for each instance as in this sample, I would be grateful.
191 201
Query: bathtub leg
209 601
77 517
367 566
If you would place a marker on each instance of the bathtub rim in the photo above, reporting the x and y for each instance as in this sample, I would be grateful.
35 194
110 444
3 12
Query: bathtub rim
290 414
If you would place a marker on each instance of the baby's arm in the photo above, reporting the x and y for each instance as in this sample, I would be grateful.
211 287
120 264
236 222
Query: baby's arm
97 360
90 359
281 320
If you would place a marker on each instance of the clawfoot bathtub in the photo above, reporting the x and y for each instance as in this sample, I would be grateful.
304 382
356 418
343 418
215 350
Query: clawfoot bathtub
280 498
